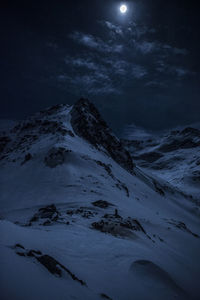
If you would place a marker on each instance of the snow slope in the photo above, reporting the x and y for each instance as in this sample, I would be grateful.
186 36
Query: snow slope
80 221
173 156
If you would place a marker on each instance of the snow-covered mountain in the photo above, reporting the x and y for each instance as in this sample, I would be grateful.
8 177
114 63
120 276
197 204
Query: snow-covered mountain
173 156
79 220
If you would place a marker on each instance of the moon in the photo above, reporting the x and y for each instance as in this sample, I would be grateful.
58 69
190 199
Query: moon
123 9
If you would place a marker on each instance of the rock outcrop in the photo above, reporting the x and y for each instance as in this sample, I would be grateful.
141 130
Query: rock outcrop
88 124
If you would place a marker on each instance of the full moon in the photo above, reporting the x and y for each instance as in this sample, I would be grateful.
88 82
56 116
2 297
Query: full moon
123 9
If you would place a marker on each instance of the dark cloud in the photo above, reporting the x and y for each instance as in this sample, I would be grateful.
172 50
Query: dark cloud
96 43
111 72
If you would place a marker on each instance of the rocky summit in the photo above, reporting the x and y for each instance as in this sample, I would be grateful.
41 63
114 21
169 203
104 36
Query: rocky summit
87 123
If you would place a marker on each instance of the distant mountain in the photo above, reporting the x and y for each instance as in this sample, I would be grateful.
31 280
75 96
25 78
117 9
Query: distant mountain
80 220
173 156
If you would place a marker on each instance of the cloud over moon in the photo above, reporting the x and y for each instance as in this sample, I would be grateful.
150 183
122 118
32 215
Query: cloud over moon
107 63
96 43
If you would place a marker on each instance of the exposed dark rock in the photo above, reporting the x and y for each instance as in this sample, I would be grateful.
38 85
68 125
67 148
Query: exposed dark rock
19 246
196 176
88 124
56 156
106 167
42 125
85 213
191 132
182 226
48 212
55 267
27 132
116 214
50 263
47 223
34 218
102 204
140 226
158 188
121 186
117 225
105 296
27 157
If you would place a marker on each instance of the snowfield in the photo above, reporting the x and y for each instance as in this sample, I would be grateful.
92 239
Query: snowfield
80 221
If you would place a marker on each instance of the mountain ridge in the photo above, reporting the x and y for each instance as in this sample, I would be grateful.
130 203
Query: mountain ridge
173 156
82 224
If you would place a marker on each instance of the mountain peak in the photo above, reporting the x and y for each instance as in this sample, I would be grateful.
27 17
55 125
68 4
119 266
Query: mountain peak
88 124
58 121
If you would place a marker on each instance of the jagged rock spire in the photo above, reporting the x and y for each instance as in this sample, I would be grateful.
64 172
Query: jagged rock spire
88 124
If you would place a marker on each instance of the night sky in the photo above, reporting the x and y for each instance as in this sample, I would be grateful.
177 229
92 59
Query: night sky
141 67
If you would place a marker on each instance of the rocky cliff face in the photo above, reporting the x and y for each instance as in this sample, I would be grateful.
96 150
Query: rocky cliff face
88 124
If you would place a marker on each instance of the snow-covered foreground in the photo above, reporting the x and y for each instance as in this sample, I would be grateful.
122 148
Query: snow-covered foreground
77 223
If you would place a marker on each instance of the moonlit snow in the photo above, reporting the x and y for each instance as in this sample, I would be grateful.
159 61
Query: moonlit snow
80 221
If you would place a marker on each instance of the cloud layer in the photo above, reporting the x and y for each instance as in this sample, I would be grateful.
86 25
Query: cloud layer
123 54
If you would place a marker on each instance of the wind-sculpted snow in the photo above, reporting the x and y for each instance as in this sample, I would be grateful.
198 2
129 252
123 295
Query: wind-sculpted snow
77 223
158 279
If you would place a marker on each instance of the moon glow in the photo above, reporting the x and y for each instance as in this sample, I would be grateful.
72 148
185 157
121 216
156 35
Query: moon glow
123 9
